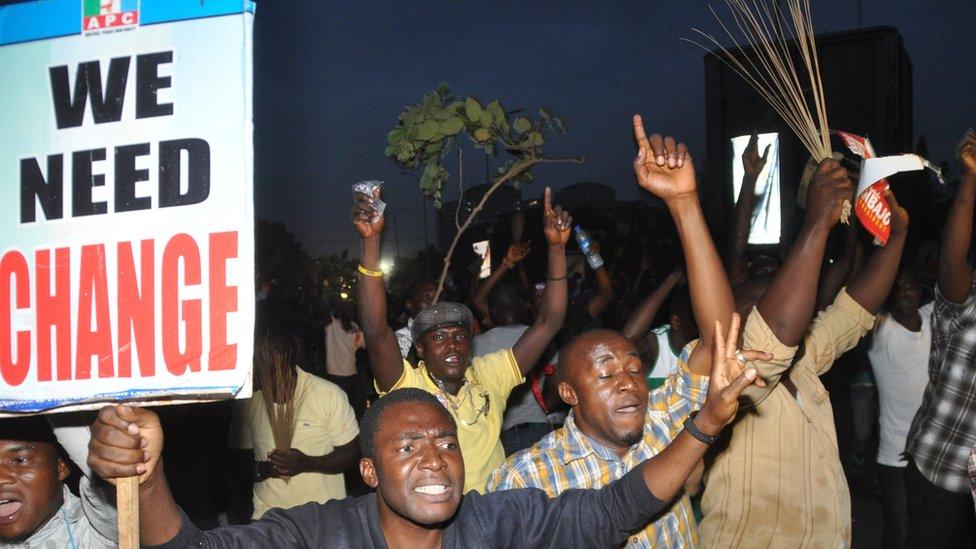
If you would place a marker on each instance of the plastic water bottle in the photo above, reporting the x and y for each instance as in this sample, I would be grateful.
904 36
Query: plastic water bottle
593 258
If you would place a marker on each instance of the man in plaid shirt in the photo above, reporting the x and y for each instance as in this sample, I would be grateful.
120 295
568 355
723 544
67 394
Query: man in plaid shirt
615 424
944 429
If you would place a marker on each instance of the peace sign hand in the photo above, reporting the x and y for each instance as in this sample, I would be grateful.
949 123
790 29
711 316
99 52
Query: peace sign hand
731 375
556 222
662 167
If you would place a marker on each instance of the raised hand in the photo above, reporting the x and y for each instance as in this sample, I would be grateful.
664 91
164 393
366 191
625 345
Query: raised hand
556 222
518 251
730 375
364 217
662 167
899 216
966 151
126 441
752 163
829 189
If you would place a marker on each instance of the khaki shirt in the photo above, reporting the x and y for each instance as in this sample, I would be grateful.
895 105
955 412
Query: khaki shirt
775 480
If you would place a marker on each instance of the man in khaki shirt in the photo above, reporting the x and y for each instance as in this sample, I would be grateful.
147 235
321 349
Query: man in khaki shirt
775 480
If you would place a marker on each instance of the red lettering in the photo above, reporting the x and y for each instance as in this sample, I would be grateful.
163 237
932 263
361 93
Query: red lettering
223 300
53 311
93 341
181 246
136 309
14 266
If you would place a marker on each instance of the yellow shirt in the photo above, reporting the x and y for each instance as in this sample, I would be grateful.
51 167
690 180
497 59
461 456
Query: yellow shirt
478 409
323 420
775 479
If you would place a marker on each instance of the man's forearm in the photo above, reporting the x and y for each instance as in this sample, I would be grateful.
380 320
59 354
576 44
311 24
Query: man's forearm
787 305
159 516
640 321
741 227
335 462
604 292
711 295
871 285
553 309
666 473
955 274
372 293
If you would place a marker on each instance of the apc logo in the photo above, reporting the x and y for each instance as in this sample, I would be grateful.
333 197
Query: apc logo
108 15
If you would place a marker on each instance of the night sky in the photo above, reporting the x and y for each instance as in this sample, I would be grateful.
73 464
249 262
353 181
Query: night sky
330 80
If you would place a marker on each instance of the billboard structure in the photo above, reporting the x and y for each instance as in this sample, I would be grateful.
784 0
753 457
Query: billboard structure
126 232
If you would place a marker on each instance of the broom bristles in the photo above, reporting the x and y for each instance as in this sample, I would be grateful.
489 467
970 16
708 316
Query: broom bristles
278 391
769 67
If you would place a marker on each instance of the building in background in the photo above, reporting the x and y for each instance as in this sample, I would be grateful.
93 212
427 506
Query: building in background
867 77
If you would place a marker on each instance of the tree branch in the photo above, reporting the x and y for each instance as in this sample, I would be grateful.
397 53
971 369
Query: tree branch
517 168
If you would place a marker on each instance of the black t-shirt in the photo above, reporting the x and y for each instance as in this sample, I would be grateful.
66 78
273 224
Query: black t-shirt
510 518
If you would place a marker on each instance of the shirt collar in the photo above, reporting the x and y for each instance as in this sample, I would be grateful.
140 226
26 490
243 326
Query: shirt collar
577 445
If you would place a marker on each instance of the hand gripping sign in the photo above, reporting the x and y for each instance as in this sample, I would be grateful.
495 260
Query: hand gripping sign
871 206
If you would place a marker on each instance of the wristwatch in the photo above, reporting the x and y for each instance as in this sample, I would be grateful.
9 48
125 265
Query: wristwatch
695 432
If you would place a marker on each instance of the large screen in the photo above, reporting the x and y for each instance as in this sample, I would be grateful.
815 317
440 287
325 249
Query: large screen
766 214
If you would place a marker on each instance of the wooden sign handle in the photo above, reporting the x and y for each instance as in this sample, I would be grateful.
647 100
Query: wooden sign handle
127 503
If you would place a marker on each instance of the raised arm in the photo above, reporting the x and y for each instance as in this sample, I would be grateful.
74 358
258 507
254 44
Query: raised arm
549 320
870 286
665 169
955 271
516 253
604 292
640 321
384 353
787 305
752 165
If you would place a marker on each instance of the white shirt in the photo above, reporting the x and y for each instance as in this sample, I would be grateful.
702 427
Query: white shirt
340 348
900 359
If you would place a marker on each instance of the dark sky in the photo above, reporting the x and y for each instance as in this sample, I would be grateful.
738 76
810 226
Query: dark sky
331 78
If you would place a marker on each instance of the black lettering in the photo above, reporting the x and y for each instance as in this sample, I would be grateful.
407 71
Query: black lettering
70 110
47 192
82 182
148 84
126 177
198 172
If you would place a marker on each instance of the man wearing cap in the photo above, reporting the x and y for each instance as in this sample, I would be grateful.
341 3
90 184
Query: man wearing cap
475 390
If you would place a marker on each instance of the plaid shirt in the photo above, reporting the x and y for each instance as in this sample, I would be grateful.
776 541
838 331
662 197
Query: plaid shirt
567 458
944 429
972 472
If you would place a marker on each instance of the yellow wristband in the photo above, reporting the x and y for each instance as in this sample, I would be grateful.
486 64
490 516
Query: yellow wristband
367 272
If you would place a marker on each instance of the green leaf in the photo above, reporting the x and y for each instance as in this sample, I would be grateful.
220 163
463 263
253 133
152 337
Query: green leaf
388 151
482 135
546 115
444 89
473 109
497 113
537 138
485 119
522 125
451 126
427 129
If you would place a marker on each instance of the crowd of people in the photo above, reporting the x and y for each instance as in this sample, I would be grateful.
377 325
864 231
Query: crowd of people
519 416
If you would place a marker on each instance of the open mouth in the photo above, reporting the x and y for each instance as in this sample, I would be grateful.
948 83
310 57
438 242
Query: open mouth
453 360
9 508
432 489
629 409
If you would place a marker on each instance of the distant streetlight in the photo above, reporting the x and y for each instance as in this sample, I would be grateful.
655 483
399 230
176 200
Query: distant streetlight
386 265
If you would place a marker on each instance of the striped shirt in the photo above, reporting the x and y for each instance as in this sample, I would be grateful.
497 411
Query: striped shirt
567 458
775 478
944 429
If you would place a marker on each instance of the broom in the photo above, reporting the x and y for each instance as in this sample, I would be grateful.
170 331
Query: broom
278 386
767 32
